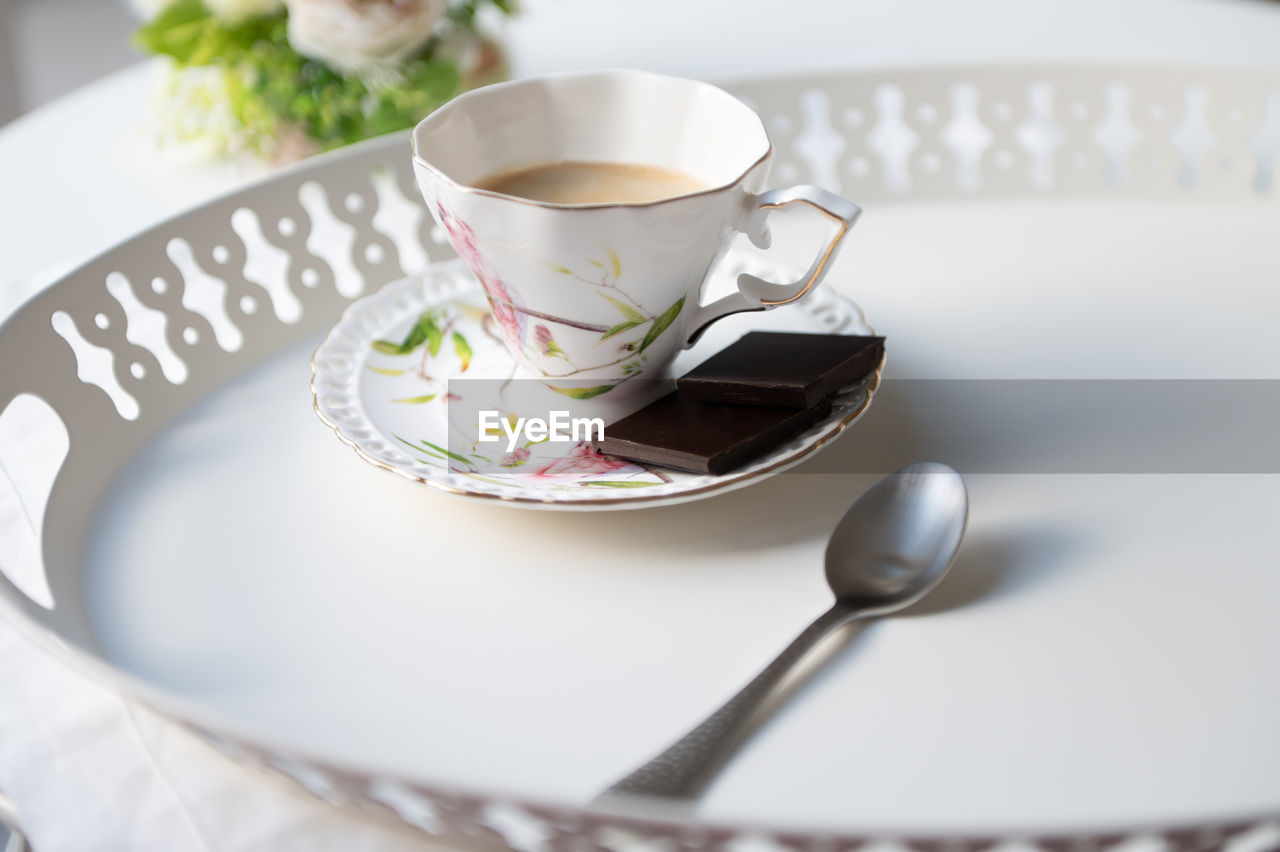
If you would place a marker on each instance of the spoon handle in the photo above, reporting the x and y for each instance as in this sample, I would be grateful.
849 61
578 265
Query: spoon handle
688 765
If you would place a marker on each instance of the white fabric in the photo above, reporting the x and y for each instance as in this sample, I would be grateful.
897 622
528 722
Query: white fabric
90 771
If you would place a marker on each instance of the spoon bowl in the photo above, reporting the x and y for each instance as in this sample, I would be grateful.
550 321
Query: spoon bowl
898 540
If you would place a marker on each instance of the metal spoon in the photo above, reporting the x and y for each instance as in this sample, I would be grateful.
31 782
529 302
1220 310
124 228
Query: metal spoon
889 550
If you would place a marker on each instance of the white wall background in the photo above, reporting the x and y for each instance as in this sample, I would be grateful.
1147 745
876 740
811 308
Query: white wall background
59 45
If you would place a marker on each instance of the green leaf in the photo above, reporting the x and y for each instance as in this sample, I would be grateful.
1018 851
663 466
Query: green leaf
416 448
627 311
273 92
617 483
415 338
563 270
661 323
463 349
621 327
615 264
178 31
463 14
416 400
433 448
273 88
446 453
431 333
191 35
385 371
417 334
425 330
583 393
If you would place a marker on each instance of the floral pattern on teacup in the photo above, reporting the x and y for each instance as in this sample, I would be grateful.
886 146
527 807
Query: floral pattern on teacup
504 300
634 331
443 342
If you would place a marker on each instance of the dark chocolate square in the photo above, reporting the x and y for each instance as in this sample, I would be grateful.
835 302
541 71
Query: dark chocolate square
704 438
781 369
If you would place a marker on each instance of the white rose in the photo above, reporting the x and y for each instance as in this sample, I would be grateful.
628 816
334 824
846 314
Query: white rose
239 10
352 35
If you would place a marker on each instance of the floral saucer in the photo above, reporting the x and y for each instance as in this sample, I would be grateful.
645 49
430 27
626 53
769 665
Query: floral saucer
380 380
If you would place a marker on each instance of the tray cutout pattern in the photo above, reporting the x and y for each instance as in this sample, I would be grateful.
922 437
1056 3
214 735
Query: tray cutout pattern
229 277
912 134
930 134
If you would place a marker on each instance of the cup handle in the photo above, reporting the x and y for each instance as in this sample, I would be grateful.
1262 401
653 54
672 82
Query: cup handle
756 294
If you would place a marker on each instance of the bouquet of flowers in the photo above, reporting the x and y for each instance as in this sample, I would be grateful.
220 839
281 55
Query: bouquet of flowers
286 78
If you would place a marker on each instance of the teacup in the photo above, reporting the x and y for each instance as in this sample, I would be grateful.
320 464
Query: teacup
597 294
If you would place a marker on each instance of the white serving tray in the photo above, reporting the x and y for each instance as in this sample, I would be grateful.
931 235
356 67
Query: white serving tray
1096 670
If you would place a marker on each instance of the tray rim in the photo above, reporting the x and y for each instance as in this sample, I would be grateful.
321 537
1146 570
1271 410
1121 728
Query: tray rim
195 717
254 753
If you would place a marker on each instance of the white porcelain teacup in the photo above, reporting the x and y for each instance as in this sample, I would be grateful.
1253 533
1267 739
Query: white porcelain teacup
601 293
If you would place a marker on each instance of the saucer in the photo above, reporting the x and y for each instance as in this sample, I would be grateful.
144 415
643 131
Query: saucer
383 389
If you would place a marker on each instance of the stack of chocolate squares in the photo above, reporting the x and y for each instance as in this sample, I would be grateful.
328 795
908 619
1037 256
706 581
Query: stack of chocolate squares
744 401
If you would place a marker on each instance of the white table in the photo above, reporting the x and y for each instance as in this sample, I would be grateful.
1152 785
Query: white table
78 176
